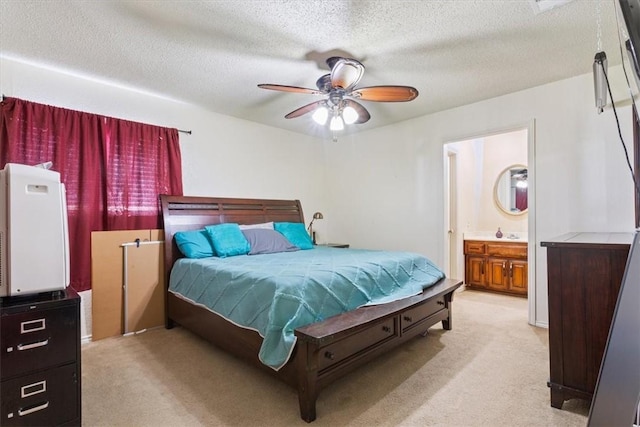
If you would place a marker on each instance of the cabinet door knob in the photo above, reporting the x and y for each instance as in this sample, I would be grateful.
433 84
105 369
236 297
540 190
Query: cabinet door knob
386 329
407 319
329 355
440 302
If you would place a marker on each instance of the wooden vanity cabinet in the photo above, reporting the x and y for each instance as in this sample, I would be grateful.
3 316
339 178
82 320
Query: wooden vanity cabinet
508 275
475 263
496 266
475 270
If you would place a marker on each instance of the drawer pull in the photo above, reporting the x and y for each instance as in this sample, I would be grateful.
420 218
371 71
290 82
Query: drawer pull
22 347
407 319
386 329
329 355
32 326
31 389
22 413
440 302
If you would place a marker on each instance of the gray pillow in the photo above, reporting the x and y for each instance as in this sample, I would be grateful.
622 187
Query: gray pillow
265 241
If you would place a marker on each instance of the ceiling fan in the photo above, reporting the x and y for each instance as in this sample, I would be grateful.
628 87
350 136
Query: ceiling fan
340 89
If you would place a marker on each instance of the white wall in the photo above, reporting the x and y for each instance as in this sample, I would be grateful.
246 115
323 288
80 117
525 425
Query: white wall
500 152
382 188
223 156
481 161
387 184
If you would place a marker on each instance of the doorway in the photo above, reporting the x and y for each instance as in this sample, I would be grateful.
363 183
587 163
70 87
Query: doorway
471 169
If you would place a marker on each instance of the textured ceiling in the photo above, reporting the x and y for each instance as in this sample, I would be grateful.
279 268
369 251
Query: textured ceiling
214 53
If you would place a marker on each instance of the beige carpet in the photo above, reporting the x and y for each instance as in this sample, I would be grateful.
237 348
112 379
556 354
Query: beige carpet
490 370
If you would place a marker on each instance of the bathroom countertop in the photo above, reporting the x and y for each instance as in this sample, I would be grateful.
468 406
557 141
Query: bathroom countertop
507 236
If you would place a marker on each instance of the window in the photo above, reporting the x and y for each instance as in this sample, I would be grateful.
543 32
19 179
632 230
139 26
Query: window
113 169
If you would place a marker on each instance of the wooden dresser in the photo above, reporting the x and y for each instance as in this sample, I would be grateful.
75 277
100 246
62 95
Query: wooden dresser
40 360
584 276
499 266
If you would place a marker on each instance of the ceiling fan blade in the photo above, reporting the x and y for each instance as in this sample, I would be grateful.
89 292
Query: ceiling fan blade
363 114
345 73
295 89
324 83
331 61
305 109
385 93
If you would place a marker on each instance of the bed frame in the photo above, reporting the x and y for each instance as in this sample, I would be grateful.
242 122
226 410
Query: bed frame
325 350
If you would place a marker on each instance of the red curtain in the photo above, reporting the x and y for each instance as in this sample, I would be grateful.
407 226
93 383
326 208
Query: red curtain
143 162
113 169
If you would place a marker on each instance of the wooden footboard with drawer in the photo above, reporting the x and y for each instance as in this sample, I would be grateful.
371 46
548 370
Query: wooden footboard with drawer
325 351
330 349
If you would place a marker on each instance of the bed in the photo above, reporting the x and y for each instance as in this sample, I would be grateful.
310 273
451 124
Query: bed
322 351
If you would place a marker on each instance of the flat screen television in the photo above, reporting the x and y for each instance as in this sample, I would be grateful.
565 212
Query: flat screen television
617 393
616 398
630 11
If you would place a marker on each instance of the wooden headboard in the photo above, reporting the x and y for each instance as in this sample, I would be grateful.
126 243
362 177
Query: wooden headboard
181 213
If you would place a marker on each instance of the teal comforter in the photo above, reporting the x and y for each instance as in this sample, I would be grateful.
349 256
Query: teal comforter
274 294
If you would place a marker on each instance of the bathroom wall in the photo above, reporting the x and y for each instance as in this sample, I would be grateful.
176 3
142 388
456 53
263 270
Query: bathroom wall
480 162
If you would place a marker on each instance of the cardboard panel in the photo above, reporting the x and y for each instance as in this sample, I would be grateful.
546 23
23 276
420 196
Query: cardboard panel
106 280
145 286
145 278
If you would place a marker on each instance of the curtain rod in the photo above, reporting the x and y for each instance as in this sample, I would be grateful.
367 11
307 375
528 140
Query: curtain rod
188 132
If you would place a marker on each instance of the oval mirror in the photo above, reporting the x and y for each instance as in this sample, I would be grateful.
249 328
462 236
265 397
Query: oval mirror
510 190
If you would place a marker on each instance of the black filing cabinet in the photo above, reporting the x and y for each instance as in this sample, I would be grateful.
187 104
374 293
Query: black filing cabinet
40 360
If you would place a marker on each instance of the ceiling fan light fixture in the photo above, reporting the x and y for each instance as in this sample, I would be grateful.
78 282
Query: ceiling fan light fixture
349 115
321 115
336 123
339 90
346 73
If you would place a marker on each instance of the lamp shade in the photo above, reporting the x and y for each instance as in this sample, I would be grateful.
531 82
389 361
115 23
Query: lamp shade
349 115
336 123
321 115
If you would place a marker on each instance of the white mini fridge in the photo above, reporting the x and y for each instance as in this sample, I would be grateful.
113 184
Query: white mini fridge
34 239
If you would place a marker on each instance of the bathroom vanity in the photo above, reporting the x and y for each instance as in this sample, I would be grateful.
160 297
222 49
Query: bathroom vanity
497 261
497 265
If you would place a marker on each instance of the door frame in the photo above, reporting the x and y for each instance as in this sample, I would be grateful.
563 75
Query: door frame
450 230
532 292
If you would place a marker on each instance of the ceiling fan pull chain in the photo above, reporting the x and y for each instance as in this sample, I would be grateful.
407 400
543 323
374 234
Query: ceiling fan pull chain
599 25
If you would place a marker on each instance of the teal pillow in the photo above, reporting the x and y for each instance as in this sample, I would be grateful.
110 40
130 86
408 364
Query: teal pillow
228 240
194 244
295 233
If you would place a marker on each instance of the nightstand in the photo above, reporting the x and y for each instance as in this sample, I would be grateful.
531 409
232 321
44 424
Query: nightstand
334 245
